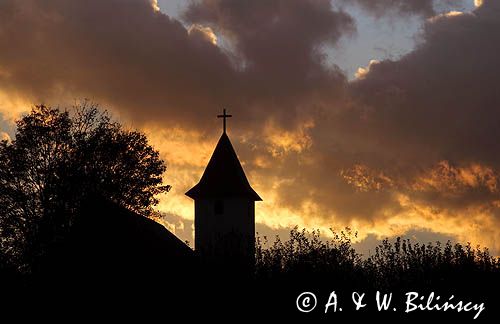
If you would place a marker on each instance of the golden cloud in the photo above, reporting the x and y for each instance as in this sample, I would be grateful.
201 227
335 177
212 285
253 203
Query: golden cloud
154 4
363 71
12 106
365 179
457 180
282 141
449 14
205 32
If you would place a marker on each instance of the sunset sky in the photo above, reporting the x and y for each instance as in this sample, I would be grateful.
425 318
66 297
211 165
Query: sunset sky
380 115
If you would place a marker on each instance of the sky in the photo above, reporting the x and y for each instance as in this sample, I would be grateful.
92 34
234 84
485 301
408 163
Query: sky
378 115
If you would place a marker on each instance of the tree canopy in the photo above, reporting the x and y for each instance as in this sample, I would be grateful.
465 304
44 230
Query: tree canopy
58 158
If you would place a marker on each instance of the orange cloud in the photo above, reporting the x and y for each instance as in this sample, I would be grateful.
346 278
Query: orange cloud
457 180
205 32
365 179
411 143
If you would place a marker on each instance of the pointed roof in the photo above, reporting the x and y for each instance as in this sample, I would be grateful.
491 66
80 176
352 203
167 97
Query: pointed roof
224 177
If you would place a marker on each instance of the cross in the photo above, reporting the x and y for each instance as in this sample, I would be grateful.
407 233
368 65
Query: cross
224 116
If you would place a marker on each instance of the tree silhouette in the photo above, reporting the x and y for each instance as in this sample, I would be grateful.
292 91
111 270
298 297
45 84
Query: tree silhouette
59 158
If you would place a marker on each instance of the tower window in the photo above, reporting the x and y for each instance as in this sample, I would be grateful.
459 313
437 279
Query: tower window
219 207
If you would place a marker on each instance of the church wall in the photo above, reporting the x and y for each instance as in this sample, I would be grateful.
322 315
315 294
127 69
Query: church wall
225 228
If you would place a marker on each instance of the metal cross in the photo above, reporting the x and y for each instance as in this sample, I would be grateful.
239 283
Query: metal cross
224 116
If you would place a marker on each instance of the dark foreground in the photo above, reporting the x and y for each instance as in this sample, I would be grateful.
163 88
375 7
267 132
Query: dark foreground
194 295
115 265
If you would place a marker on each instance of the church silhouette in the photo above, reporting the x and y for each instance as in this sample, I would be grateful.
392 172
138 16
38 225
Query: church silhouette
109 244
225 210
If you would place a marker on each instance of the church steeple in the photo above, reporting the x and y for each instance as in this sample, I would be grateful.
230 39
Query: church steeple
223 177
225 208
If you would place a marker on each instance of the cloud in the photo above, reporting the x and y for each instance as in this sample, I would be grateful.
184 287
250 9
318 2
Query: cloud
437 102
122 53
363 71
267 39
410 144
424 8
206 33
127 54
448 14
155 72
433 115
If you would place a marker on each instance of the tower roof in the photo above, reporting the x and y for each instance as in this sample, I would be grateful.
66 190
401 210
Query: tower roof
224 177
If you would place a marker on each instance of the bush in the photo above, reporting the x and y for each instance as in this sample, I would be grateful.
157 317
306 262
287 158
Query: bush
401 264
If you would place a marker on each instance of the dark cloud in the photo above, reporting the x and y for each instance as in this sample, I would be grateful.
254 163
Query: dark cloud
440 101
278 49
425 8
272 36
122 53
424 130
129 56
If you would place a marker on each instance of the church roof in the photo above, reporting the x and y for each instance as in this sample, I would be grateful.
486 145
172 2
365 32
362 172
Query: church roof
108 243
224 177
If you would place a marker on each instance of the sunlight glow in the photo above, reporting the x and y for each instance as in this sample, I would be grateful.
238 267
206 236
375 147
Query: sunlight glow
363 71
206 32
154 4
445 15
12 106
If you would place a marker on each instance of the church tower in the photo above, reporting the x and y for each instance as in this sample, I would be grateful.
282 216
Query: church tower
225 209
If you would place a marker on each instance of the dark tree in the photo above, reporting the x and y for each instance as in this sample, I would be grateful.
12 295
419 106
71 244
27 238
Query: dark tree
56 160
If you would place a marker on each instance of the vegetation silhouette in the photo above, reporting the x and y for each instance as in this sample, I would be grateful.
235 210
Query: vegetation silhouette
306 262
55 161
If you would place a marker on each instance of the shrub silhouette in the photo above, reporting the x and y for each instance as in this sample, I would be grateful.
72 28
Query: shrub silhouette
415 265
305 257
306 253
